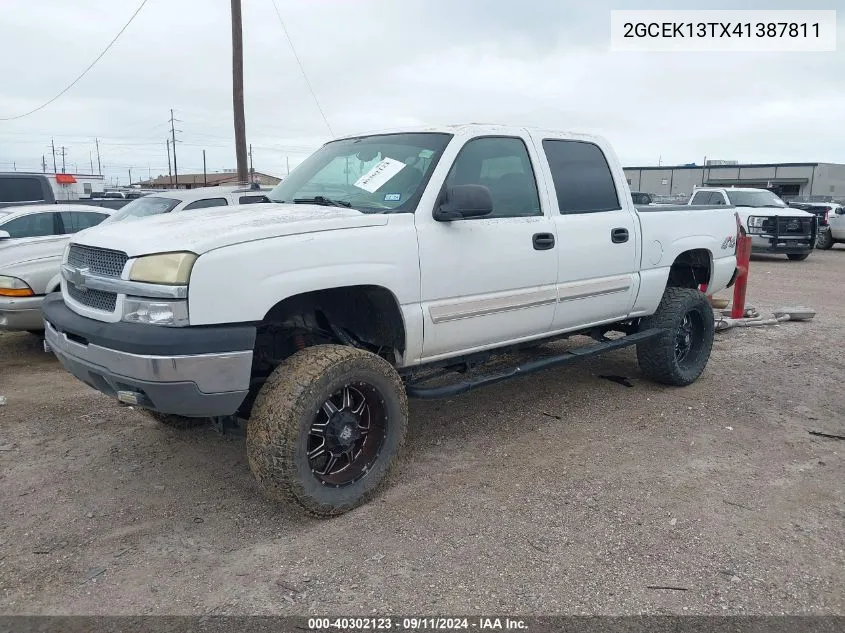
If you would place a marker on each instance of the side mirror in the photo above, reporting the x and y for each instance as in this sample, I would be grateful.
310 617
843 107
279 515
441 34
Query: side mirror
464 201
4 235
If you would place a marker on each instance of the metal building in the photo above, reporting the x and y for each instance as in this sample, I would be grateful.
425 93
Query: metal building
788 180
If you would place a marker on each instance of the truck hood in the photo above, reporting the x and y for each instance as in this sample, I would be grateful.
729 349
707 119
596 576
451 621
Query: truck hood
31 250
204 230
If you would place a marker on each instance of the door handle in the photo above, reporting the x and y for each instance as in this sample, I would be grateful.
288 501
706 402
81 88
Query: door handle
543 241
619 236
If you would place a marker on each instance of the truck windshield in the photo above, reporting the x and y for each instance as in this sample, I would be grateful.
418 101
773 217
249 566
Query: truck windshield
372 174
754 199
143 207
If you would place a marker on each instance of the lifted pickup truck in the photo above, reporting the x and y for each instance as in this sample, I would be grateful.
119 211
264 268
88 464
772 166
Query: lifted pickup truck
390 260
774 227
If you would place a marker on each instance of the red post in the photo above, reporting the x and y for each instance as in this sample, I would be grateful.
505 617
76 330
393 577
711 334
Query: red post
743 261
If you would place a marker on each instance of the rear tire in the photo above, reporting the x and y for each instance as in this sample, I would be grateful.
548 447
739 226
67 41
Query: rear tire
797 257
824 240
326 429
679 355
176 421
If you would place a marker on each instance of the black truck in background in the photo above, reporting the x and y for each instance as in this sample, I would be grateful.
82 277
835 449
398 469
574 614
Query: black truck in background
20 189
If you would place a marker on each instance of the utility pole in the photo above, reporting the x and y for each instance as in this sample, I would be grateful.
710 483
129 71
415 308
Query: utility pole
91 161
53 145
64 153
204 174
169 171
173 133
238 89
130 177
251 168
43 164
287 165
14 166
99 165
149 172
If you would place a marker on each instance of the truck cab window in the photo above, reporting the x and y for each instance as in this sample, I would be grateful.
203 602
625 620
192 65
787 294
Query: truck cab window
504 167
702 197
20 189
582 178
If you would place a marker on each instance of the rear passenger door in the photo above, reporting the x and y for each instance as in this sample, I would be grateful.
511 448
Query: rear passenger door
597 232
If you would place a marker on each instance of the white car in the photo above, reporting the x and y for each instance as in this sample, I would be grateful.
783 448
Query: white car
387 260
177 200
773 225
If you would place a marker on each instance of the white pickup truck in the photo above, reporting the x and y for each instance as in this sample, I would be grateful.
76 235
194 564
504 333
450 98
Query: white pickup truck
773 225
389 260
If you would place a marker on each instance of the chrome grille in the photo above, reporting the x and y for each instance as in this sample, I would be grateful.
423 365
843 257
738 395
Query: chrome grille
100 261
97 299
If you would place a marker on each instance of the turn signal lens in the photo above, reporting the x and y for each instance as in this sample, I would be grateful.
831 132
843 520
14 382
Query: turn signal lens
14 287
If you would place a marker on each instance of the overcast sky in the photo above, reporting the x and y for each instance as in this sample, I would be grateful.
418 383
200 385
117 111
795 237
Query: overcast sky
382 63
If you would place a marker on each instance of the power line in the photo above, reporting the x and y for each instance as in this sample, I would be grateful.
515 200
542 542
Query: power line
302 68
84 72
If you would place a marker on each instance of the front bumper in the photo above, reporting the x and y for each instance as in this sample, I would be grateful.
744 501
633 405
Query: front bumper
206 371
21 313
770 244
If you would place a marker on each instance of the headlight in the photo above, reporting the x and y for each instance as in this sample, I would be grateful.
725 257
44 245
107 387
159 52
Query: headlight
14 287
756 224
167 268
156 312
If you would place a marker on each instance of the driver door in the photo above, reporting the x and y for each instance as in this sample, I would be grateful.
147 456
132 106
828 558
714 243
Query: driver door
489 280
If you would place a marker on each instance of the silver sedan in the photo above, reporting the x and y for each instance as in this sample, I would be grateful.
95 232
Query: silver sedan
32 241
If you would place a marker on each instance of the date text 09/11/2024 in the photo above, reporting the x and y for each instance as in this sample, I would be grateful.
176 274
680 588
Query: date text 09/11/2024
416 624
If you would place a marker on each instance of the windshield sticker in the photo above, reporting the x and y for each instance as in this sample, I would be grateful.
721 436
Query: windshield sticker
426 153
392 197
383 171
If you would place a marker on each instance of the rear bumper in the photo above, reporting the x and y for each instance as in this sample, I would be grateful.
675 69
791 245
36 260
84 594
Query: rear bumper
21 313
117 361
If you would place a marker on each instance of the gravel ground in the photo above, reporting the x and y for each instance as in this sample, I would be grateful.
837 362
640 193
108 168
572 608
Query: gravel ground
558 493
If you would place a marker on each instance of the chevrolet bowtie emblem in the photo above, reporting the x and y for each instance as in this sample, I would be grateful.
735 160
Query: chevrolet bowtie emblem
76 276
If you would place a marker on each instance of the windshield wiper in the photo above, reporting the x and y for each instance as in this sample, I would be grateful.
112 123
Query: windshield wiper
323 201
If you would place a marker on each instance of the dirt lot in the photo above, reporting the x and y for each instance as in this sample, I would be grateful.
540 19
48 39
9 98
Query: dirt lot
559 493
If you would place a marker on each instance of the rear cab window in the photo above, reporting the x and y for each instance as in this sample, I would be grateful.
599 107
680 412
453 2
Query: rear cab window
702 197
582 178
21 189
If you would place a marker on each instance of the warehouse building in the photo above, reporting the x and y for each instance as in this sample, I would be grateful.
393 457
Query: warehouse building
788 180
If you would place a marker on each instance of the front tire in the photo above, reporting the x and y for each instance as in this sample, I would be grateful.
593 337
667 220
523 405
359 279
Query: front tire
824 240
679 355
326 428
797 257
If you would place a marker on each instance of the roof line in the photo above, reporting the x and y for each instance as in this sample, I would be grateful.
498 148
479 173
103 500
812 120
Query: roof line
667 167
